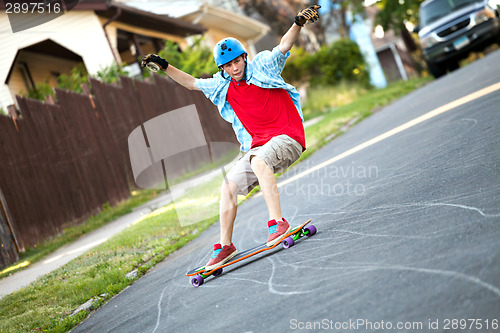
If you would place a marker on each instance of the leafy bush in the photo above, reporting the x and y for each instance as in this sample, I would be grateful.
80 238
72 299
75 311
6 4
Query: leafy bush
332 64
339 61
74 81
111 73
298 66
40 91
196 60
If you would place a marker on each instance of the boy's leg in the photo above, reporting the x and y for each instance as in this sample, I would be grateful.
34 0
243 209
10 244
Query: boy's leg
269 188
228 209
275 156
225 250
239 180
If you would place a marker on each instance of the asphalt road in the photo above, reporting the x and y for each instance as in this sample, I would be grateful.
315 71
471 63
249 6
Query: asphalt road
408 234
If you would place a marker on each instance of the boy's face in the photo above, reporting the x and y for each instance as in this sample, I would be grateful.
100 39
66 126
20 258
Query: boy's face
235 68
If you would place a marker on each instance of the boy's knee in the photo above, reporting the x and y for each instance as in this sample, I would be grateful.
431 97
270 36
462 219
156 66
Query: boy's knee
229 187
258 164
225 188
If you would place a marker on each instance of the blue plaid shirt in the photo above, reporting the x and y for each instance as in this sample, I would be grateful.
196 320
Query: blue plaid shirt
265 72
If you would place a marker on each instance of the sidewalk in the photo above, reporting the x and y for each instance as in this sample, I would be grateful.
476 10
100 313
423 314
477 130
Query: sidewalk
71 251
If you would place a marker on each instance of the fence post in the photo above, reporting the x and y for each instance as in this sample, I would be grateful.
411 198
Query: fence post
9 247
12 110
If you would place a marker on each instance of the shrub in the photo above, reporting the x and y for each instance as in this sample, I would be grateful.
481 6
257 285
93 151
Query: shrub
339 61
74 81
332 64
111 73
40 91
298 66
196 60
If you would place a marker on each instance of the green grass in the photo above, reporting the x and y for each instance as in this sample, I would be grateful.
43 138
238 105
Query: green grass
46 304
323 99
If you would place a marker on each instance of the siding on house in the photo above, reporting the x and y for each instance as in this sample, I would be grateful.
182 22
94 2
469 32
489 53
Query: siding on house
79 31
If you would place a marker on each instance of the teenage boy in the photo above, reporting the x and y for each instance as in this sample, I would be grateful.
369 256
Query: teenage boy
266 116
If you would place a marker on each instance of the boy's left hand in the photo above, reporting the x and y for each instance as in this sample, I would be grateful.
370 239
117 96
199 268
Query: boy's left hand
307 15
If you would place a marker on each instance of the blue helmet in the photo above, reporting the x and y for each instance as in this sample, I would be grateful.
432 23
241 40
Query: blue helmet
228 49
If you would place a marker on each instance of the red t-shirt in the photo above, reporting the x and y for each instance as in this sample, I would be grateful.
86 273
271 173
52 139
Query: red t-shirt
265 113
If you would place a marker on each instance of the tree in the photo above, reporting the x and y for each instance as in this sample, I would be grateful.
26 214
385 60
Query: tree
279 15
339 9
395 13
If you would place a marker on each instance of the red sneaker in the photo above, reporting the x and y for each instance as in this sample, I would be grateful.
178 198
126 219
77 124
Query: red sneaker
220 256
277 231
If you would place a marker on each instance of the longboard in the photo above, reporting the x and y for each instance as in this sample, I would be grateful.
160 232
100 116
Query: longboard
199 274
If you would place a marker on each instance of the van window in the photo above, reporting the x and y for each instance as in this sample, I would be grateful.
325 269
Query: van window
434 10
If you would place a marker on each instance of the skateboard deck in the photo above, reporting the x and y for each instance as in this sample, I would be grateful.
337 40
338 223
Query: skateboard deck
199 274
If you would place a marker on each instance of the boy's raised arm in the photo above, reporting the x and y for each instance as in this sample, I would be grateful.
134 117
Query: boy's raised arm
305 15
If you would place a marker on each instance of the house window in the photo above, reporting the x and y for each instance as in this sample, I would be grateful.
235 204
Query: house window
55 76
25 73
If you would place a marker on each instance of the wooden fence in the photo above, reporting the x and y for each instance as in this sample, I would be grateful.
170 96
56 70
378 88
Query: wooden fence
59 163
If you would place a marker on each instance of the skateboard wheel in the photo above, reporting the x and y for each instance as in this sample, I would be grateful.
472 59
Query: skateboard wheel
288 242
197 281
310 229
218 272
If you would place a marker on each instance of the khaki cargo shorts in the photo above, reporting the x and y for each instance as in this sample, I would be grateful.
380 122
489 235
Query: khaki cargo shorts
279 153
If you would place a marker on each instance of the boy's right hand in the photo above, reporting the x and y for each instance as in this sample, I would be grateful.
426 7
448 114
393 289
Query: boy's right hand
154 63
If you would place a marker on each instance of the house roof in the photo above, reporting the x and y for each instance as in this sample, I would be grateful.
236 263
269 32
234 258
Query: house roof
90 4
232 23
172 8
151 21
136 17
210 16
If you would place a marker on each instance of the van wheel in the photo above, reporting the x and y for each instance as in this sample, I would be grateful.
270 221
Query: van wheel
436 70
453 65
